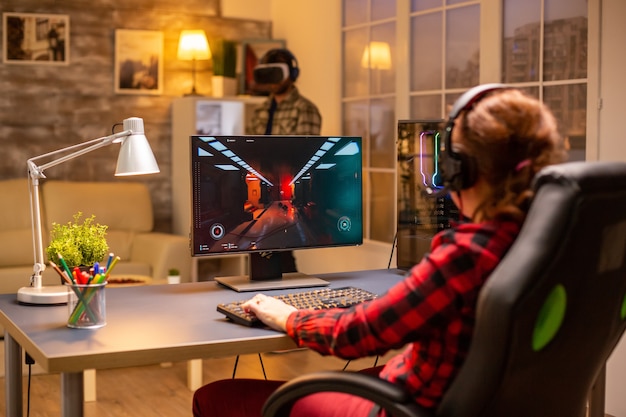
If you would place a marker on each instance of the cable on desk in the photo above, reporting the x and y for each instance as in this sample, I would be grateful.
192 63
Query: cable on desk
374 366
235 367
29 361
393 246
262 367
260 360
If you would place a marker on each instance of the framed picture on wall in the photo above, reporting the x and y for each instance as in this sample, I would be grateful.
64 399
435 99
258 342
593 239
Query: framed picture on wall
251 52
31 38
138 62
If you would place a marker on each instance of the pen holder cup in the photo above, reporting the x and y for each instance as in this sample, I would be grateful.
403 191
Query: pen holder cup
86 305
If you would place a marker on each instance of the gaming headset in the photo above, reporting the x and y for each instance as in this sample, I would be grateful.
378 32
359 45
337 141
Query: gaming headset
458 171
276 66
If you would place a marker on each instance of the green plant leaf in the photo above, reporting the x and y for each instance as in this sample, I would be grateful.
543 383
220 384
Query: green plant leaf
79 243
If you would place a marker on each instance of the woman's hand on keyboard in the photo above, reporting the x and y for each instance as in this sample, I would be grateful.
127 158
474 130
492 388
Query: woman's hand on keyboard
269 310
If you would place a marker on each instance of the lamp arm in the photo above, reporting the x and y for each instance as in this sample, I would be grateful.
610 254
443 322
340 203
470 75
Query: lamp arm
35 214
35 172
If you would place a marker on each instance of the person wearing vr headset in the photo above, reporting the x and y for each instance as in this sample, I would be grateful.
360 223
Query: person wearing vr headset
496 140
285 112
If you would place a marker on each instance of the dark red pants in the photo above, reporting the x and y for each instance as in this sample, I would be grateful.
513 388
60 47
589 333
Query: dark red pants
245 398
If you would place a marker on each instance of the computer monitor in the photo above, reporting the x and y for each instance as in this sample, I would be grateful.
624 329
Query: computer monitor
262 195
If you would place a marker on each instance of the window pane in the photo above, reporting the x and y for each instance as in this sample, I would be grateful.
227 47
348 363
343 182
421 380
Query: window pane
531 91
417 5
382 216
354 12
383 9
565 44
569 105
450 100
520 55
462 47
380 57
426 52
355 123
426 107
354 75
382 133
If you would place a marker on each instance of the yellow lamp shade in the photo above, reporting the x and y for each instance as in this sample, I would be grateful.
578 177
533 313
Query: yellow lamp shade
193 45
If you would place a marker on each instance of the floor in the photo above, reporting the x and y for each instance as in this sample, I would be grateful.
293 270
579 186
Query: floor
161 390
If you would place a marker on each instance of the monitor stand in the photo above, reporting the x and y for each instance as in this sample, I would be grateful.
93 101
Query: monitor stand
266 274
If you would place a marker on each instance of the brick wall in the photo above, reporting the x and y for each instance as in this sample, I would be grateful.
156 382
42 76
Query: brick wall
46 107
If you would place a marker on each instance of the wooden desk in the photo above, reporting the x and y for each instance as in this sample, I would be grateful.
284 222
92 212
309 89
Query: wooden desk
145 325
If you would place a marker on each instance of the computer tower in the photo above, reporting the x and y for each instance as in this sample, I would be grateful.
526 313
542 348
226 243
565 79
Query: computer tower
420 215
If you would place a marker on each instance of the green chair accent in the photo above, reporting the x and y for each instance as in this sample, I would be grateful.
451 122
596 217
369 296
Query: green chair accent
550 317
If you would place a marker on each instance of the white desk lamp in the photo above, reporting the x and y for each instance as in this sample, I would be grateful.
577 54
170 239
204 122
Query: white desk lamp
135 158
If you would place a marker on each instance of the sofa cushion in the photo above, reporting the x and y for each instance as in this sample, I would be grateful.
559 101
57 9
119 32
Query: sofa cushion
120 242
121 206
17 248
15 230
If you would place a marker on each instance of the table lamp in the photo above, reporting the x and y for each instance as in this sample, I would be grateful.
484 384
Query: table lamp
135 158
377 57
193 46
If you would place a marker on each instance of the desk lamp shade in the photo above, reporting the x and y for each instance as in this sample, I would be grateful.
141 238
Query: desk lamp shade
135 157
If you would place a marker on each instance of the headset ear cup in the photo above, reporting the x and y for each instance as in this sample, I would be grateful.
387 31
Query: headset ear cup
295 71
468 171
458 171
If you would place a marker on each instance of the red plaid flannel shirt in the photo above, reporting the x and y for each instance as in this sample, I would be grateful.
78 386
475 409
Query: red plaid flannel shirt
432 311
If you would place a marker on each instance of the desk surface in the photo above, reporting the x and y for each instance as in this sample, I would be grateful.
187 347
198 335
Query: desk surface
155 323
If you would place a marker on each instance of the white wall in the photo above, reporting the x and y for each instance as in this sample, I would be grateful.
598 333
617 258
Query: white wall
313 33
247 9
312 30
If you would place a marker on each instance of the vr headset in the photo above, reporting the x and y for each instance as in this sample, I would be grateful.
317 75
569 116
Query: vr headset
274 73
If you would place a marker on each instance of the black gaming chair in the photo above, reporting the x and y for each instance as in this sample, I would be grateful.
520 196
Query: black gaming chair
547 319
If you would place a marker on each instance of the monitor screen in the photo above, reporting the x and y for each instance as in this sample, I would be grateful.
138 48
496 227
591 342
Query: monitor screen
266 194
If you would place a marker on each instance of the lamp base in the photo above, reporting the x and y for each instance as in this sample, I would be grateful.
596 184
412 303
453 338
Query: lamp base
55 294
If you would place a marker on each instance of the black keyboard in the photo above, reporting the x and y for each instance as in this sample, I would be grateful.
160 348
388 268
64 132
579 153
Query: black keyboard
317 299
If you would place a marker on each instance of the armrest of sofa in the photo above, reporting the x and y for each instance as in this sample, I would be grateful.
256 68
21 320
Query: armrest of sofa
162 251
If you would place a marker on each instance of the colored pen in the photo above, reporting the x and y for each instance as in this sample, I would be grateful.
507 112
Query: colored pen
61 273
65 267
117 258
109 261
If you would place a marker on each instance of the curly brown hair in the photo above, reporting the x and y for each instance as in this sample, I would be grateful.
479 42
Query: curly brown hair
511 136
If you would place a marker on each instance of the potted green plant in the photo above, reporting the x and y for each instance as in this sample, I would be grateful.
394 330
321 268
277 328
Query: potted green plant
79 243
224 80
173 276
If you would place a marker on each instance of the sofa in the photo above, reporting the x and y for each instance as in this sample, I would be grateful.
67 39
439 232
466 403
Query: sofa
125 207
